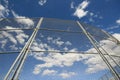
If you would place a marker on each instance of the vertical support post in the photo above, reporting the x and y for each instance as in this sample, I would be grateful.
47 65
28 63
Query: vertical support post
116 76
28 47
104 50
18 63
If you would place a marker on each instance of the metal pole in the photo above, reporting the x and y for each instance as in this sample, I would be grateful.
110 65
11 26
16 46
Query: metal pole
80 52
96 43
15 62
28 47
18 63
104 50
23 54
116 76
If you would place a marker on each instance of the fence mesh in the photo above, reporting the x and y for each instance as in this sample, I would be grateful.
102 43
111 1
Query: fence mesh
60 50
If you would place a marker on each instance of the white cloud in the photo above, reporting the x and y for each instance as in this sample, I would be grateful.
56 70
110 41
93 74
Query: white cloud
112 27
39 67
115 26
58 59
53 59
23 20
91 20
9 36
80 10
84 4
118 21
91 13
49 38
68 43
36 70
21 36
72 5
49 72
1 19
93 16
13 47
80 13
42 2
58 41
117 35
67 74
65 48
12 37
94 62
3 43
3 11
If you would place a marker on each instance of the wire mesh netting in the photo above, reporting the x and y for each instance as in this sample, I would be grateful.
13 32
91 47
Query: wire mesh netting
61 50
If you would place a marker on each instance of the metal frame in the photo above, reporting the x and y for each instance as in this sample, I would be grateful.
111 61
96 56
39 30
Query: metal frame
16 67
92 40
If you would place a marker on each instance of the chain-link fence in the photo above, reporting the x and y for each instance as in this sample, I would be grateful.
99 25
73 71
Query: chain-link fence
53 49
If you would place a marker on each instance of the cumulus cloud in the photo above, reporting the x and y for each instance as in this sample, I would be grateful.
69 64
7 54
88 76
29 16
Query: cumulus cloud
21 36
9 36
117 35
65 48
80 10
67 74
49 72
3 43
3 11
13 36
42 2
53 59
23 20
118 21
68 43
13 47
94 62
57 41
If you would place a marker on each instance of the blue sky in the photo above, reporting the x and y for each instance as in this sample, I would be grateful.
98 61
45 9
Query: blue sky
104 14
98 13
